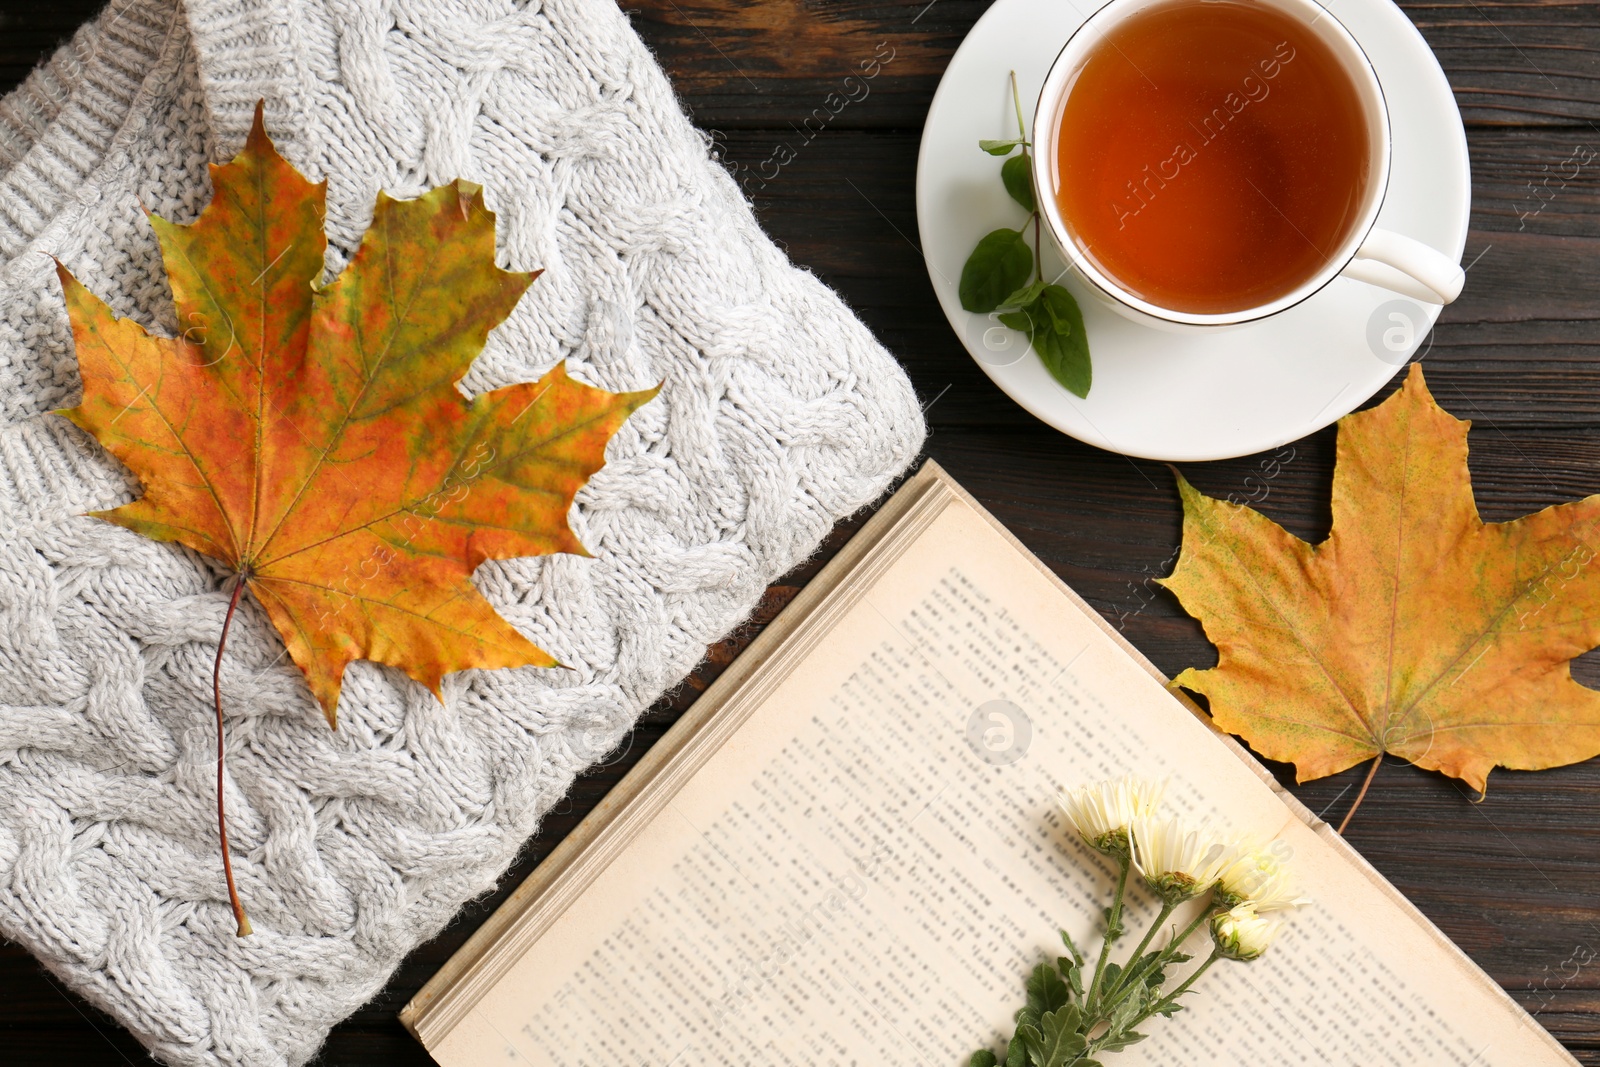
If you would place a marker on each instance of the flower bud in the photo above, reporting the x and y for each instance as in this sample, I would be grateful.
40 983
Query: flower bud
1241 934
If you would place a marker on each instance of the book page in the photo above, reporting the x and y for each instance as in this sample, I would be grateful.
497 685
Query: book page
867 869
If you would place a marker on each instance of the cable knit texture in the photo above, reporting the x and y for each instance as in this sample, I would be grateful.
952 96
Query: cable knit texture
780 414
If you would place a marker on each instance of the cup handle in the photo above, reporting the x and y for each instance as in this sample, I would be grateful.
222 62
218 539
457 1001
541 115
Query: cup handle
1406 266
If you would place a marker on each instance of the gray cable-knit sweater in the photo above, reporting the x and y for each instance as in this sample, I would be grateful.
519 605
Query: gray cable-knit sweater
779 415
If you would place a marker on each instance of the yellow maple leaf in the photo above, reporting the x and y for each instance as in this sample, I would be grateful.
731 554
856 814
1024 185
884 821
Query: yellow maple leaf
1415 629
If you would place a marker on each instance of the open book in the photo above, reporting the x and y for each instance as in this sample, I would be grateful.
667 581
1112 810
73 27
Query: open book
849 852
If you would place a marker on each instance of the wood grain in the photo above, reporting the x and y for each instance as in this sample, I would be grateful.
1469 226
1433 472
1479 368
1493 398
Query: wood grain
762 65
1511 879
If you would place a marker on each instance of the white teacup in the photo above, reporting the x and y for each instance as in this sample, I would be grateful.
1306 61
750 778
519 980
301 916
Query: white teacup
1380 257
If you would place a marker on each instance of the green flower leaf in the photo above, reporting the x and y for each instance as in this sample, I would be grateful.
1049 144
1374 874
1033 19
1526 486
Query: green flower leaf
1068 1019
1017 1052
1046 991
1113 925
998 267
1057 1041
982 1058
1033 1043
1072 971
1126 1013
1017 174
1066 938
1121 1041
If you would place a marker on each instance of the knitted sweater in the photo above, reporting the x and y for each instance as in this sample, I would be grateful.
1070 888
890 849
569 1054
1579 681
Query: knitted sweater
779 415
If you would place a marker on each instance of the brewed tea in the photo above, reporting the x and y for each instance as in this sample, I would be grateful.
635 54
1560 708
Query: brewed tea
1213 155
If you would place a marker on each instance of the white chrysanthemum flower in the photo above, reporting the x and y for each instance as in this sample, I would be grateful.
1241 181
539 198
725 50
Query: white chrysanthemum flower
1178 859
1241 934
1260 878
1102 813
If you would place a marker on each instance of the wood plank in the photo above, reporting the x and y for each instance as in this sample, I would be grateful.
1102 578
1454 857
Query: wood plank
744 65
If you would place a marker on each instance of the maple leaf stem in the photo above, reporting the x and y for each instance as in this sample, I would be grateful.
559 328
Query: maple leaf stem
222 817
1376 763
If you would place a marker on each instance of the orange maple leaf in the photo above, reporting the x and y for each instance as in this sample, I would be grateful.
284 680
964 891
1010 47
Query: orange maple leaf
1415 629
312 436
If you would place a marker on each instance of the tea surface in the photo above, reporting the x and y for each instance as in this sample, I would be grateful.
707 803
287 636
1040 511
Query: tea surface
1212 155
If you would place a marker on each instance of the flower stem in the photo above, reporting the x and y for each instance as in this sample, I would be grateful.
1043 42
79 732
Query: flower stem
222 819
1164 1004
1172 997
1131 976
1205 913
1149 935
1113 931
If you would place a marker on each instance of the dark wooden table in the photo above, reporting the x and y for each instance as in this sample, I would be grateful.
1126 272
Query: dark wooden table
1514 880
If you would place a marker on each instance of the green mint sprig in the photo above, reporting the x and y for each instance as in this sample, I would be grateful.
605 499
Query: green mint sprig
1005 275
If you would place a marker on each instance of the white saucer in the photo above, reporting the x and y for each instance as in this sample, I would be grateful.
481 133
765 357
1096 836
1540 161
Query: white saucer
1191 396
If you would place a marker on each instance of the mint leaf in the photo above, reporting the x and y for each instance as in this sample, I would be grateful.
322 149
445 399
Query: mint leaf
1001 148
1056 332
998 267
1017 174
1060 313
1024 296
982 1058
